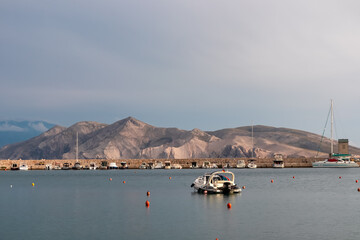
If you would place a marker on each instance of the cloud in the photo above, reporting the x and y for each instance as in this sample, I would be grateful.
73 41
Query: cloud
38 126
5 127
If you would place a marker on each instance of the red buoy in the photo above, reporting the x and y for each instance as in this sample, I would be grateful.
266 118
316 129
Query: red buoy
147 204
169 177
272 180
340 177
356 181
243 187
229 205
124 182
110 179
293 177
147 193
358 189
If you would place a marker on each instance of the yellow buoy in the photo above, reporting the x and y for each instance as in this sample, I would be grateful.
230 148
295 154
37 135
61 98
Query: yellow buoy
33 184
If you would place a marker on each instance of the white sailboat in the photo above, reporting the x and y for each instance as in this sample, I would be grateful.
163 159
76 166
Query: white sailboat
251 161
335 160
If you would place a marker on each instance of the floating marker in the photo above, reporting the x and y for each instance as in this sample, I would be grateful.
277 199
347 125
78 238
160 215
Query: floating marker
356 181
124 182
147 193
33 184
228 205
147 204
293 177
110 179
340 177
358 189
205 192
169 177
272 180
243 187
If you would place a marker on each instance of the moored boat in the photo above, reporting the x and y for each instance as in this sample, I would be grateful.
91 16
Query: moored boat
240 164
218 182
252 163
24 167
278 161
112 165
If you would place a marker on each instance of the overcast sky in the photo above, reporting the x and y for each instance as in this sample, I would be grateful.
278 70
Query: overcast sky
205 64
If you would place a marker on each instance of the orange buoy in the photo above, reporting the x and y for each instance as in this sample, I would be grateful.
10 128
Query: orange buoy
358 189
147 204
124 182
356 181
169 177
228 205
147 193
216 239
110 179
243 187
272 180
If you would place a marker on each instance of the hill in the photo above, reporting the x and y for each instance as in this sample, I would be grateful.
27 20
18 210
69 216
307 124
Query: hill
133 139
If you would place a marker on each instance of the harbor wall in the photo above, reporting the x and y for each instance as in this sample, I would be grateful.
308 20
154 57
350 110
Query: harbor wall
135 163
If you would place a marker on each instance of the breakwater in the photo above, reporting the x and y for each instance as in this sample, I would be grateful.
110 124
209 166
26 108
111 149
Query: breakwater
135 163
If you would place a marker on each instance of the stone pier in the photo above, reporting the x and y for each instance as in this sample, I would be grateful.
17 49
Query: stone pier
135 163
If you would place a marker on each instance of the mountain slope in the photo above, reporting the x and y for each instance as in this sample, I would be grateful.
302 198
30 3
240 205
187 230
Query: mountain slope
131 138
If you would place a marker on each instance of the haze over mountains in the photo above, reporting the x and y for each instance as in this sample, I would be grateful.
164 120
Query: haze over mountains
132 139
16 131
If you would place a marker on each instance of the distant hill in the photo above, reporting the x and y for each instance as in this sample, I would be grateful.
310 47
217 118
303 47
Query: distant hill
18 131
133 139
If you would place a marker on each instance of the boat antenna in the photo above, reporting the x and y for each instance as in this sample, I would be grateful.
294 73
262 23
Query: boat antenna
332 123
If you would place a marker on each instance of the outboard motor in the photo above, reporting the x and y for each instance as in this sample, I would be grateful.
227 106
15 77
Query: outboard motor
192 185
226 187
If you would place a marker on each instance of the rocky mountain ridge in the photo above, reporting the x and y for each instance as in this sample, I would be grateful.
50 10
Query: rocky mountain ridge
130 138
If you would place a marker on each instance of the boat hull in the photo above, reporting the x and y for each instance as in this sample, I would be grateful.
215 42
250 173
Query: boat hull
334 165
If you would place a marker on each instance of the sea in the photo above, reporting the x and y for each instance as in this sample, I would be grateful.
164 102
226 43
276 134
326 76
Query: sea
300 203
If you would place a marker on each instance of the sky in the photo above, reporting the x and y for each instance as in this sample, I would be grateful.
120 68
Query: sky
204 64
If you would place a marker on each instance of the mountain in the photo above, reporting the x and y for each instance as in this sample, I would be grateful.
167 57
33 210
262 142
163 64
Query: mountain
130 138
17 131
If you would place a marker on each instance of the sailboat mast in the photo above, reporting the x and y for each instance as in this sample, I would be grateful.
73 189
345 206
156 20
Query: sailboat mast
332 123
252 140
77 146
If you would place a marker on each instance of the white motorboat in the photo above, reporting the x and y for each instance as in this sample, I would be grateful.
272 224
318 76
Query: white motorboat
240 164
48 166
112 165
24 167
252 163
176 166
278 161
222 182
158 165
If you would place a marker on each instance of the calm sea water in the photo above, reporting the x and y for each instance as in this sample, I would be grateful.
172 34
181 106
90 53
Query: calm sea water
317 204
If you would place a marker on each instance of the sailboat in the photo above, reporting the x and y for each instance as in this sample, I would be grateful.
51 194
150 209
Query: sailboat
335 160
251 161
